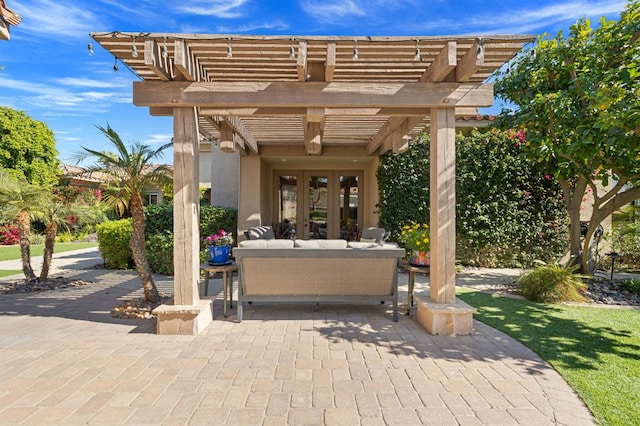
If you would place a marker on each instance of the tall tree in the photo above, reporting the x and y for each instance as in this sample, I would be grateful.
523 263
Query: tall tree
27 148
130 170
20 203
578 100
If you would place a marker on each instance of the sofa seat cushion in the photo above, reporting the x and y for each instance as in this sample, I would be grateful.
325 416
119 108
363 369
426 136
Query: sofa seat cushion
266 244
327 244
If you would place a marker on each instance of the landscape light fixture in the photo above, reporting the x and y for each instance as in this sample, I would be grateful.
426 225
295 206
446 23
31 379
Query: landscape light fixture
417 57
355 50
134 49
90 49
165 51
229 50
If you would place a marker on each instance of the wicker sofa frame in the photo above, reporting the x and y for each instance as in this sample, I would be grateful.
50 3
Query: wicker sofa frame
343 275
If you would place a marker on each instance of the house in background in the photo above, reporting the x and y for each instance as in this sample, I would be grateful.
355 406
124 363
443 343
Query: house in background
76 176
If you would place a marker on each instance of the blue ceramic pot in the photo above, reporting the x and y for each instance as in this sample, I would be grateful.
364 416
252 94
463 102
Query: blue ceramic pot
219 254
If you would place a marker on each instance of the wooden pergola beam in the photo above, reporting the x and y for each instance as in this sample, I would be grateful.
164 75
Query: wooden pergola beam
156 63
310 94
241 130
302 61
470 62
330 66
183 62
442 65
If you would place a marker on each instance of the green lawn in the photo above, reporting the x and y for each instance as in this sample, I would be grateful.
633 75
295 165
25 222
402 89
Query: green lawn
9 272
13 252
596 350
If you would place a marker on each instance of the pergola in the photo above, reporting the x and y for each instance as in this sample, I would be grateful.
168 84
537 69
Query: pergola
310 96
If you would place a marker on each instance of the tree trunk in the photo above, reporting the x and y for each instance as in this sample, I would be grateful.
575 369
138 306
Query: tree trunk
138 249
24 229
50 233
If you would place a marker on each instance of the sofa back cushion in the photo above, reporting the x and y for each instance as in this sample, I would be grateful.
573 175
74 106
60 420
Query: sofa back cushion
266 244
328 244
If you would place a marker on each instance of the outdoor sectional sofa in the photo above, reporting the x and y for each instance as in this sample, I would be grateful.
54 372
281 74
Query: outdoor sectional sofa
317 271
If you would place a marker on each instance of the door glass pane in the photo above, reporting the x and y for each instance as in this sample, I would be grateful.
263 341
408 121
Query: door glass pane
349 208
287 207
318 207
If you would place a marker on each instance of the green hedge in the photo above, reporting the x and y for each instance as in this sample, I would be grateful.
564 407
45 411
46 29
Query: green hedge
509 212
113 242
159 236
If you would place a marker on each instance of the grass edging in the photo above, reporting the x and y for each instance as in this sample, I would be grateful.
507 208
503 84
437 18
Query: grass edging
596 350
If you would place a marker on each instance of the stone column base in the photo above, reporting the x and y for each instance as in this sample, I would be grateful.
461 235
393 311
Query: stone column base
445 319
184 319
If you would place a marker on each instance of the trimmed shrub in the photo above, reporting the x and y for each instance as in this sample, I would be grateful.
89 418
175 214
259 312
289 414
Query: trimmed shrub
113 242
159 232
160 252
631 285
509 213
551 284
626 242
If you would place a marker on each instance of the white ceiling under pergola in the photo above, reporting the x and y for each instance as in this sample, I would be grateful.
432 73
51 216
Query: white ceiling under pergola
312 93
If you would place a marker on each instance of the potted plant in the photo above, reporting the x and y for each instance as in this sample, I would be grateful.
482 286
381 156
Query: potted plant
219 247
416 237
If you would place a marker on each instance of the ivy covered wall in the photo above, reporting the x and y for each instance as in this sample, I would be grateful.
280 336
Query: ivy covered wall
509 211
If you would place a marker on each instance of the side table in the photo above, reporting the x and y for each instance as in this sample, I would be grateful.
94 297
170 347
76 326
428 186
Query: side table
227 281
412 269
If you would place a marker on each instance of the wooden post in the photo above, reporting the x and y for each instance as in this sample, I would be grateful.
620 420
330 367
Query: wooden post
186 230
443 205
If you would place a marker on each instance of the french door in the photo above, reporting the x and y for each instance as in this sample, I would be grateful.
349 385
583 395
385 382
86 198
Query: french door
319 204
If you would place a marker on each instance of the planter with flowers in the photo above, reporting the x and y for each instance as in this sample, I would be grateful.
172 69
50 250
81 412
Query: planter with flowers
219 247
416 238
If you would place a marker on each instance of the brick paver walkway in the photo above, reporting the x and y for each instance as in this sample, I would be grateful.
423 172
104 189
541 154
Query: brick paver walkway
64 360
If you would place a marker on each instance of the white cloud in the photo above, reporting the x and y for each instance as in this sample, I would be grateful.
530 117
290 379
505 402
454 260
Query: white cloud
332 10
219 8
158 139
87 82
532 20
278 26
56 18
48 96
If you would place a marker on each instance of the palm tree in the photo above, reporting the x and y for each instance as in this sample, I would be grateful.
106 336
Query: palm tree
21 203
130 170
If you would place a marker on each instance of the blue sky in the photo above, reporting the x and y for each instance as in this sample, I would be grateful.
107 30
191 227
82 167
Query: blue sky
45 69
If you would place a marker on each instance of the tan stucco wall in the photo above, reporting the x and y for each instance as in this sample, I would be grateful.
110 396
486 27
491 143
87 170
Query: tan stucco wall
249 208
224 174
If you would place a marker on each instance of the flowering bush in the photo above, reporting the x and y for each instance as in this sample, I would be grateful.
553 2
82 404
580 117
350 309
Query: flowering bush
222 238
415 236
9 235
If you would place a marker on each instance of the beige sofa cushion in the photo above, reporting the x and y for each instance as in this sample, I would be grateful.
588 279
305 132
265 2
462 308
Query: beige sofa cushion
266 244
328 244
